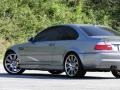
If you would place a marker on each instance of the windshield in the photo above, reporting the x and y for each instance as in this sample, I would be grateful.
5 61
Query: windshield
99 31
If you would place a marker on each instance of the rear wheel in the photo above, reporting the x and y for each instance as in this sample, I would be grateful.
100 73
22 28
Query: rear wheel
73 66
11 64
116 73
55 72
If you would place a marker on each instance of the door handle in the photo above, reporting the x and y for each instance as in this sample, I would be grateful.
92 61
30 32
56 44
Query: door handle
51 44
21 48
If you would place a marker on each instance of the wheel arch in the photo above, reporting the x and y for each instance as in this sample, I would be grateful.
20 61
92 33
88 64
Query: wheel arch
9 51
74 52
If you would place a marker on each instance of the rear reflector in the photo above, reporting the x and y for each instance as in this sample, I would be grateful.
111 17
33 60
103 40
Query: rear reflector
103 46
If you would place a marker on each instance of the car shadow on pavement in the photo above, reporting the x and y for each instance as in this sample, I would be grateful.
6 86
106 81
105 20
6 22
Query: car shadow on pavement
49 76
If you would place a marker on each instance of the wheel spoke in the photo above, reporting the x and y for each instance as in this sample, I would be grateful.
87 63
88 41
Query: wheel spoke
75 60
8 64
10 57
73 72
11 63
71 65
8 60
68 69
13 69
14 57
68 60
71 57
76 68
67 65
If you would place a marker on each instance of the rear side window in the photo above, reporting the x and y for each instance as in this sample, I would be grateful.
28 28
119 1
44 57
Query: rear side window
97 31
67 33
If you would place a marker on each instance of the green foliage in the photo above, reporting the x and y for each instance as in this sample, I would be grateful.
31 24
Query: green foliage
21 19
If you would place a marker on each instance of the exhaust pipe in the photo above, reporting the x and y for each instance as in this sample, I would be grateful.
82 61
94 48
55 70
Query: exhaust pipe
113 67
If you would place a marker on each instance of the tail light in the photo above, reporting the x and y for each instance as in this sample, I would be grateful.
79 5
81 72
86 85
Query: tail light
103 46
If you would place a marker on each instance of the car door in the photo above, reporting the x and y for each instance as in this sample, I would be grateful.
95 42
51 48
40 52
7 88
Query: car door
39 51
64 42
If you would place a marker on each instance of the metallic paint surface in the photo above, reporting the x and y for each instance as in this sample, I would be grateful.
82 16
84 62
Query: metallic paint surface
43 56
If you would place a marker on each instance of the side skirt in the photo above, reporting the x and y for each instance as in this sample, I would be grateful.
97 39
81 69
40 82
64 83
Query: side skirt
41 67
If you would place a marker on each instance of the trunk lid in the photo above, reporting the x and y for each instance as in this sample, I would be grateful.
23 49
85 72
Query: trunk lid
113 40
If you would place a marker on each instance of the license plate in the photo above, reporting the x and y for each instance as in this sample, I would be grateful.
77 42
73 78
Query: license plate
116 47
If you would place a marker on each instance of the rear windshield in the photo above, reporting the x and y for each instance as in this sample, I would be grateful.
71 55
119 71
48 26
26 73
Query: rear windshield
99 31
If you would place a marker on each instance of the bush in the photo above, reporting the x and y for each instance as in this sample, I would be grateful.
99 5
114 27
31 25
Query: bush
21 19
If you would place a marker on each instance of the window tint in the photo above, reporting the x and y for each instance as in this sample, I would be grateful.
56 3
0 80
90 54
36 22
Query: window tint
49 34
115 32
97 31
67 33
57 33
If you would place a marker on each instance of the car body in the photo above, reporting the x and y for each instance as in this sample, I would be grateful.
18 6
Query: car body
96 47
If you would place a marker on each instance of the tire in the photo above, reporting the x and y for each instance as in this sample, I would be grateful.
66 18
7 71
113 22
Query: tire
11 63
73 66
55 72
116 73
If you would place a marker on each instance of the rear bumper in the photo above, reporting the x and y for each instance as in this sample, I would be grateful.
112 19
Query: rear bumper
100 61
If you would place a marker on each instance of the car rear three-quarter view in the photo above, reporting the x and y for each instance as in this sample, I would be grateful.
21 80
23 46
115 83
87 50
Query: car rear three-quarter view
70 48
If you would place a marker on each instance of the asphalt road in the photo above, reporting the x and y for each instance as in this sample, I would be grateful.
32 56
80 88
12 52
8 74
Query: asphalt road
37 80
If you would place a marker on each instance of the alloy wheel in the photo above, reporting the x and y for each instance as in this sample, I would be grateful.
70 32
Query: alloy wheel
11 64
71 65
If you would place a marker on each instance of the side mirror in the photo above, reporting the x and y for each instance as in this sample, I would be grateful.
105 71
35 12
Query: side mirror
31 39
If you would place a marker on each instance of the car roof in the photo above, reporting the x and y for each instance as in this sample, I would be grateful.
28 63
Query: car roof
78 25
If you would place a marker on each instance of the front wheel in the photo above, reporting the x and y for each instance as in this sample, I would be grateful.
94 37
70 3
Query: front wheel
73 66
11 64
116 73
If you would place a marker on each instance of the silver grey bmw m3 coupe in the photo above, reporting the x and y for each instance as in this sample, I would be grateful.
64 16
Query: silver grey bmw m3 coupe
70 48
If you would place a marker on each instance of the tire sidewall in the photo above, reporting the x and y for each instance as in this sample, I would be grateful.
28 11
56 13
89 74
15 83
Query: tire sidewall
80 66
20 72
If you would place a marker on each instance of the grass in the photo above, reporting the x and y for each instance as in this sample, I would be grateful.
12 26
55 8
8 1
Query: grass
3 46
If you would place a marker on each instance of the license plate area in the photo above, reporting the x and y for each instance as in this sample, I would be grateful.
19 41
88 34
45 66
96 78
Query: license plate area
116 47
